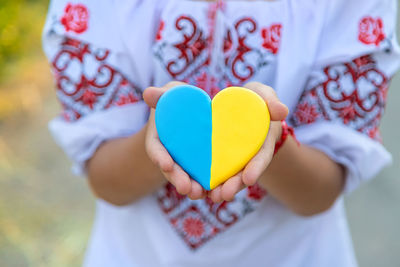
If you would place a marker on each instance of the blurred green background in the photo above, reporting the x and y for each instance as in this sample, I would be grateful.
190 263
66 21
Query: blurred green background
46 213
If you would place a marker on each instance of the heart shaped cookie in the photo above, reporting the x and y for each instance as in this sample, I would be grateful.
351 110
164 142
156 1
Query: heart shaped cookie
211 140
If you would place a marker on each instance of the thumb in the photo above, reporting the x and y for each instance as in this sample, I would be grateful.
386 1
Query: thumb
152 94
277 109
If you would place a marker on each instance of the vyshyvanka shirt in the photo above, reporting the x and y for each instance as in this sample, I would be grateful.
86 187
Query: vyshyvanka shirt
330 61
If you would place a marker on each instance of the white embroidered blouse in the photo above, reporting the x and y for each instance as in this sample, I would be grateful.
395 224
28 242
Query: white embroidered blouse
330 62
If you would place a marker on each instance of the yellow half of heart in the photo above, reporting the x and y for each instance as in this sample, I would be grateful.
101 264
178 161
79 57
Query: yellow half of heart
240 124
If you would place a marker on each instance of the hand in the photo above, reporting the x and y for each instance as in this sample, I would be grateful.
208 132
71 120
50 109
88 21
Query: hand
250 174
160 156
259 163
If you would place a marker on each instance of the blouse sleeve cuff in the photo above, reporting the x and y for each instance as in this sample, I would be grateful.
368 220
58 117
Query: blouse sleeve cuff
80 139
362 157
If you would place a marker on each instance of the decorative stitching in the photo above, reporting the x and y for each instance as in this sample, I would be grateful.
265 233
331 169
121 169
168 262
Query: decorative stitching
353 93
75 18
192 62
196 222
86 82
272 37
370 30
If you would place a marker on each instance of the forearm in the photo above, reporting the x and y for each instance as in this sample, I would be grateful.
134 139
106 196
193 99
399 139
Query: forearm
304 179
121 172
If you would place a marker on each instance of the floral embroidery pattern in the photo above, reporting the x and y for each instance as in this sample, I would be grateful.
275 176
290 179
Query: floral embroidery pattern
75 18
272 37
371 31
353 93
193 227
190 48
240 68
199 221
306 113
82 87
256 192
188 59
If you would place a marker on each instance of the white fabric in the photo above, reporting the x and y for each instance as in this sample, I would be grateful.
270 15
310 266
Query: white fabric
350 148
314 34
80 147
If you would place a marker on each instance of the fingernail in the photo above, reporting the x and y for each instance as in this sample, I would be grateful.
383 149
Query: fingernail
283 105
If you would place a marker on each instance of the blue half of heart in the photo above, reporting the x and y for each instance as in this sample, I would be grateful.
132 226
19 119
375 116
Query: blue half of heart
184 126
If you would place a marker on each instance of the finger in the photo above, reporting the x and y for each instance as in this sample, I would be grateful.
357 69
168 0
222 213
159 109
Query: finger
215 195
159 156
231 187
259 163
180 179
197 192
277 109
155 150
255 168
152 94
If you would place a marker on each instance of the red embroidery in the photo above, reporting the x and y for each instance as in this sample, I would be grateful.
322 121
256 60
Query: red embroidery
126 99
272 37
222 213
200 220
374 133
242 61
75 18
249 26
160 29
207 81
256 192
306 113
169 198
371 30
193 227
82 87
211 18
228 43
353 92
192 61
192 45
89 98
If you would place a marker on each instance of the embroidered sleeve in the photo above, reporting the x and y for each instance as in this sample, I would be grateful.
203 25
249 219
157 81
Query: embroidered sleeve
95 81
352 93
84 61
86 82
343 101
349 81
339 113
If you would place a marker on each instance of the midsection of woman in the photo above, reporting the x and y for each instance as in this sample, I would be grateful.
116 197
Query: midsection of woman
259 233
332 78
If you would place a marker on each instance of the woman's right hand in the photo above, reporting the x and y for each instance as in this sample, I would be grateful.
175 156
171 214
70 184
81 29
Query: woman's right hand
160 156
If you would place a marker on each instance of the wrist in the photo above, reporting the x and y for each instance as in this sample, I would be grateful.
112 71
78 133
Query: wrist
284 133
278 131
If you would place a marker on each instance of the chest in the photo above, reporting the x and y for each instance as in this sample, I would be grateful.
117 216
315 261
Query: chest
215 45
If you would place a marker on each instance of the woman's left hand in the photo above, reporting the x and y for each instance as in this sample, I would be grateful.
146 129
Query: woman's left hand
259 163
